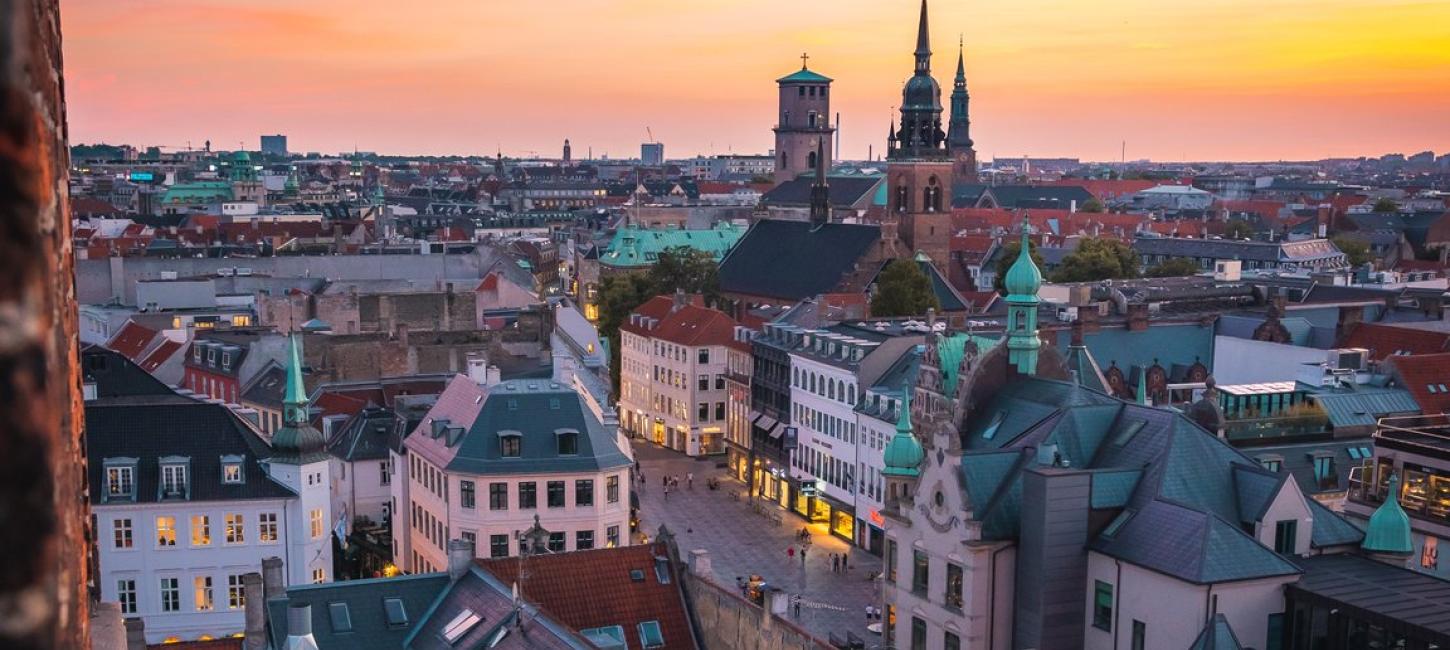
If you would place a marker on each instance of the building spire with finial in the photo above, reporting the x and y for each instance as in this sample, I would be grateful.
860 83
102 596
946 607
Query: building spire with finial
820 191
923 42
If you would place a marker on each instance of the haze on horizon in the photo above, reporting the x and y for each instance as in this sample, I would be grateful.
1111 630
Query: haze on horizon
1212 80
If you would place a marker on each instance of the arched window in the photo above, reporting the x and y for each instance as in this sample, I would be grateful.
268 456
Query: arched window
783 162
785 119
811 119
811 160
901 196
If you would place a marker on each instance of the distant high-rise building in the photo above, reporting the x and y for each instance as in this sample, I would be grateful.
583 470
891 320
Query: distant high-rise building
805 121
568 153
652 154
919 166
274 145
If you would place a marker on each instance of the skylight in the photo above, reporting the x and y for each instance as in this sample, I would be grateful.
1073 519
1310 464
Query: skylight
650 635
1128 432
1117 523
460 625
393 610
341 617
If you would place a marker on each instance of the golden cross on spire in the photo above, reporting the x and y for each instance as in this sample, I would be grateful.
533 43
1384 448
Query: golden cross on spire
804 57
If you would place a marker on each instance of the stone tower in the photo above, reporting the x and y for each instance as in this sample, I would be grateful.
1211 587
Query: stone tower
918 167
959 129
805 123
568 153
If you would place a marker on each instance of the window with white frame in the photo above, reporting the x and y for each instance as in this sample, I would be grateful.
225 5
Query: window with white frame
200 530
170 595
231 470
267 527
120 480
173 480
126 595
315 522
234 533
236 592
165 531
319 576
122 533
202 586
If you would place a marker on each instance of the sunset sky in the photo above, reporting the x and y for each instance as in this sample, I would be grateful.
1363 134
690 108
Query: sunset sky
1205 80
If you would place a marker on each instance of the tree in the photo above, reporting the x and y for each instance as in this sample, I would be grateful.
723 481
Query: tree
1238 229
678 269
1386 204
1008 257
688 269
1172 268
903 290
1098 258
1357 250
1093 205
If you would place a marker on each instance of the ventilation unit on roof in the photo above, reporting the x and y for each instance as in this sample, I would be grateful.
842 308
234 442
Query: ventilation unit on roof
1347 359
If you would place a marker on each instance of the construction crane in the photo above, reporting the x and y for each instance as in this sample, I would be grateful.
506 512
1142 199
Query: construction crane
650 134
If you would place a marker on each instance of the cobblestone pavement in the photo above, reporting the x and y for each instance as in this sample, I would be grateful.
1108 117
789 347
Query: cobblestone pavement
742 542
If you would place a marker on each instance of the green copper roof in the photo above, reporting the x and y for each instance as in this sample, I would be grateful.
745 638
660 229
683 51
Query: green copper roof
1023 279
1389 526
635 247
198 192
950 348
295 393
804 76
903 454
297 441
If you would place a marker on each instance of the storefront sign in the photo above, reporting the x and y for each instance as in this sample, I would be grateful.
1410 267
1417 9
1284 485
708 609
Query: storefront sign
876 517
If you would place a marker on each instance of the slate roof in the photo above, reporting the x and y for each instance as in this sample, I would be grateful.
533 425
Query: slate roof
1191 545
1364 405
569 588
1216 635
1036 196
136 417
266 388
1163 343
364 601
492 601
769 259
365 435
1418 600
843 192
1227 249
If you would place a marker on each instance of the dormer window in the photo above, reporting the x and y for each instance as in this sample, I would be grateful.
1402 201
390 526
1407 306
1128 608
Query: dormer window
196 352
120 478
173 477
568 440
226 361
511 444
211 356
232 470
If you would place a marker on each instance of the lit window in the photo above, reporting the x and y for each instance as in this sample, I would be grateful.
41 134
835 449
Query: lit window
200 530
234 531
319 576
231 473
166 531
203 593
267 527
315 520
120 481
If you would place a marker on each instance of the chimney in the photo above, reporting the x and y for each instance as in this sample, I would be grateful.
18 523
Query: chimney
460 557
477 368
299 627
256 612
1076 332
494 375
272 578
931 317
1137 316
135 633
700 563
1051 562
680 300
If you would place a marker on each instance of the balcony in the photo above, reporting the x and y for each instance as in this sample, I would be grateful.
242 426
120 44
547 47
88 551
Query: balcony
1424 488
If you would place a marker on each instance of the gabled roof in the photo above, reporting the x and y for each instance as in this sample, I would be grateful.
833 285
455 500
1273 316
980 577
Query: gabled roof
132 340
591 589
635 247
1216 635
364 602
478 593
843 192
768 261
1191 545
365 436
1426 377
1387 340
688 325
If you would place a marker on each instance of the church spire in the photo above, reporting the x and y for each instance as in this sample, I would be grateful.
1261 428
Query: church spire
923 43
959 137
1022 283
294 399
297 442
820 191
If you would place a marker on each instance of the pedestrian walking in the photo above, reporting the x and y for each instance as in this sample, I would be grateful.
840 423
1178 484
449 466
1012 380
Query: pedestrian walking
797 599
803 556
846 560
665 480
667 492
690 480
835 563
868 614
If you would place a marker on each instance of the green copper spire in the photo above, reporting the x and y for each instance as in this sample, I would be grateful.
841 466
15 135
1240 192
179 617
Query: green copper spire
294 400
297 442
903 454
1143 388
1389 526
1022 282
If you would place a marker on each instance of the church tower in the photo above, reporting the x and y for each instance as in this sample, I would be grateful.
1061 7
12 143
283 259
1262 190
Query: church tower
804 130
959 136
300 461
918 167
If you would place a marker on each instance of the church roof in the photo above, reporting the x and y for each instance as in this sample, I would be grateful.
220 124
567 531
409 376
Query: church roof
768 260
804 75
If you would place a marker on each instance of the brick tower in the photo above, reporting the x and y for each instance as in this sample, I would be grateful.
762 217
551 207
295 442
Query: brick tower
919 167
805 120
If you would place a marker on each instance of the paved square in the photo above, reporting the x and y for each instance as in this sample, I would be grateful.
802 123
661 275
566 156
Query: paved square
742 542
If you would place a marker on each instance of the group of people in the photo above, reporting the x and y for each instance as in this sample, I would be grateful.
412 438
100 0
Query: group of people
672 482
840 562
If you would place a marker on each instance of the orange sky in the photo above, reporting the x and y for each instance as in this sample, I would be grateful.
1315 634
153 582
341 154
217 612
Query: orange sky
1206 80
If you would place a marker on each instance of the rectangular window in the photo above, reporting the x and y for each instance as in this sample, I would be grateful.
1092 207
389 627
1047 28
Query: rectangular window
319 576
236 592
920 572
385 472
1285 534
126 595
202 586
719 382
200 530
267 527
232 473
954 586
584 492
583 540
650 635
704 381
951 641
170 595
166 531
719 411
315 522
235 535
611 488
1102 605
918 634
704 412
498 546
556 494
122 529
510 446
120 481
1140 635
498 496
528 495
611 536
890 560
1275 640
704 355
466 494
556 542
173 480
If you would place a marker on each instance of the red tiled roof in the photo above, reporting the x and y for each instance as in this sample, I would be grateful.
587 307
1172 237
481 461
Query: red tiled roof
1387 340
1419 265
1418 372
88 205
159 356
227 643
588 589
692 324
338 404
131 340
1262 207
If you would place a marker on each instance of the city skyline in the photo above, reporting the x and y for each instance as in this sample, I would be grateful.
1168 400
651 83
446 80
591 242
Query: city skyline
1224 80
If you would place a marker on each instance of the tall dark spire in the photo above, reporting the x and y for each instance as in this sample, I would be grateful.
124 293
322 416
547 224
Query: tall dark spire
959 126
820 191
923 43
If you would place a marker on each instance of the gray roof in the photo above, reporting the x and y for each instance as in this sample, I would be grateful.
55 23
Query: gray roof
768 260
1229 249
1418 600
537 410
1216 635
492 601
365 435
363 600
844 192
